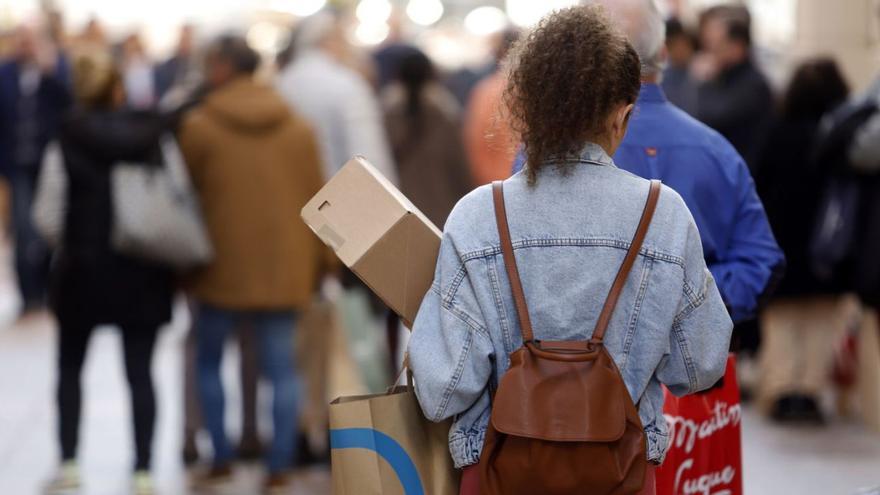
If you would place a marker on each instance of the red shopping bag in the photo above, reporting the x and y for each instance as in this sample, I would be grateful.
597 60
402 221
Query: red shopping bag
705 453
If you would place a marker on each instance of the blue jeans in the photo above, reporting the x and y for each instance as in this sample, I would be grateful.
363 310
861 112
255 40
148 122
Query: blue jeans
31 251
274 335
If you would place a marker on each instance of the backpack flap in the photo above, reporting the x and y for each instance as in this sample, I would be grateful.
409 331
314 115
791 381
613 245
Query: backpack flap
561 395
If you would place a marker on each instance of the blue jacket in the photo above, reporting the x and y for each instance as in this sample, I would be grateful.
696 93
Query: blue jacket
665 143
53 101
570 233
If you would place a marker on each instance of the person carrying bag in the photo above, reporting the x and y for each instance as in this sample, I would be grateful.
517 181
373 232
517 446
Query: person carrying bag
156 214
565 396
562 417
93 283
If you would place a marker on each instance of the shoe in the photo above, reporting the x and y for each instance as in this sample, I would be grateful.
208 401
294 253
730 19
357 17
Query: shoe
783 409
306 456
214 477
65 481
142 483
807 411
250 450
276 484
797 409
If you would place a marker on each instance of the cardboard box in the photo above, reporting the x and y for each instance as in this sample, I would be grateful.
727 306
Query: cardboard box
378 233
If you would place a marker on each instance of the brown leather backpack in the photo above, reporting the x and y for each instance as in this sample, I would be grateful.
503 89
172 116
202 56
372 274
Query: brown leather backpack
562 419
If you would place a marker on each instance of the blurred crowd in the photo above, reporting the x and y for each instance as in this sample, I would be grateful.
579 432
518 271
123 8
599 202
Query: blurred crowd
807 148
260 133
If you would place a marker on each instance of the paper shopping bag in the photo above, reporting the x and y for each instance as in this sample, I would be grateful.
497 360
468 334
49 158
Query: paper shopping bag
383 445
705 453
314 335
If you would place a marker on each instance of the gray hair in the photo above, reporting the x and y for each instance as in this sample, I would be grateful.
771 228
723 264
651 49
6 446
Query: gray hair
644 27
313 31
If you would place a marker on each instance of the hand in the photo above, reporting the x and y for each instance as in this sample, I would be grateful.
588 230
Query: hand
331 288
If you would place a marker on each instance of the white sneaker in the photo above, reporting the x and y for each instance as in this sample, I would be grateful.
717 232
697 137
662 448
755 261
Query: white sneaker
65 481
142 483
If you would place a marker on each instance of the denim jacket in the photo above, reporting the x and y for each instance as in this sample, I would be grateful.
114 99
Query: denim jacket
570 232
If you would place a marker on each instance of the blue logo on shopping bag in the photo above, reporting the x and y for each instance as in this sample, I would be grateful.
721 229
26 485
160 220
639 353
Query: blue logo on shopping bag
387 448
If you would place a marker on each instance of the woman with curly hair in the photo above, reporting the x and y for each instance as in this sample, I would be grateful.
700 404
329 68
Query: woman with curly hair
572 214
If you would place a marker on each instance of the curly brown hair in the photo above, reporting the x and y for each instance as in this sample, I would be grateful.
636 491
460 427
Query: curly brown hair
564 80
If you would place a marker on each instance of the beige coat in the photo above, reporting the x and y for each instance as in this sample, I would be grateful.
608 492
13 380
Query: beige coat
254 165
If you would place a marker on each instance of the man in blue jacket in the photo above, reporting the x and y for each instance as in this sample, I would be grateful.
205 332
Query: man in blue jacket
663 142
34 94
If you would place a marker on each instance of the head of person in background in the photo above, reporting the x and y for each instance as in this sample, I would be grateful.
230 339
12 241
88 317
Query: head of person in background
186 40
680 43
55 27
132 49
178 79
642 24
29 44
321 32
726 35
97 81
503 41
229 58
414 73
33 48
816 87
555 118
722 10
93 33
25 45
6 39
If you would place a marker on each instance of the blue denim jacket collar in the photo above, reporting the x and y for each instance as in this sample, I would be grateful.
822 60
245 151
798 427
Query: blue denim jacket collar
596 155
591 154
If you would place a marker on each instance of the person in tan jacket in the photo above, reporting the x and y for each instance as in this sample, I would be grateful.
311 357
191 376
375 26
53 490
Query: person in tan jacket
254 165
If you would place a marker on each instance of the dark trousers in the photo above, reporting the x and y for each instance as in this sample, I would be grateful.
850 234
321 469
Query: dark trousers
31 251
138 345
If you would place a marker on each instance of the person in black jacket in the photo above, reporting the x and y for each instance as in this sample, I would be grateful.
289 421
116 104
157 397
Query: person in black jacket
734 97
799 324
90 283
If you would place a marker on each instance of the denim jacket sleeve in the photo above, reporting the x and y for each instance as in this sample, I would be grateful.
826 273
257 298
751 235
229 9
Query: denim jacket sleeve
450 349
700 334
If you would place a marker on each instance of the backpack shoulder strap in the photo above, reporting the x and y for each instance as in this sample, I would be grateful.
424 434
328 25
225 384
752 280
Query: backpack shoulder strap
628 261
519 297
510 266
